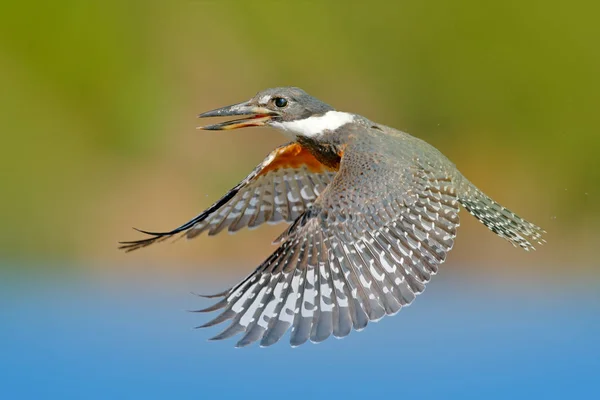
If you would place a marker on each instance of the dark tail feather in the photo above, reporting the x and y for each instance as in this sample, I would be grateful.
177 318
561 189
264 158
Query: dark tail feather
501 220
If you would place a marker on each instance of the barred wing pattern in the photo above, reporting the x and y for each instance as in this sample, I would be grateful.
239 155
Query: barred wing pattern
339 268
501 220
281 188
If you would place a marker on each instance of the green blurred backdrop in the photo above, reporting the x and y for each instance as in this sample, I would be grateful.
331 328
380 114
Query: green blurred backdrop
99 100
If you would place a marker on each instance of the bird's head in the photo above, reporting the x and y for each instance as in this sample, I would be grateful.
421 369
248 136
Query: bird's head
289 109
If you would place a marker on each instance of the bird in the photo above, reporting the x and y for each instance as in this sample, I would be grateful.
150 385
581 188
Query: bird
372 213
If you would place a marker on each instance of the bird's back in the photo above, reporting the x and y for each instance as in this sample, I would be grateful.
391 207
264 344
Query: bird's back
389 159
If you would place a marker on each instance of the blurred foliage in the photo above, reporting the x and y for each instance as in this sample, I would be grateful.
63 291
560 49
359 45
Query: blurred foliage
99 98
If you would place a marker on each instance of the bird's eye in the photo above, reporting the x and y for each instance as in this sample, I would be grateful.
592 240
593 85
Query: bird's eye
280 102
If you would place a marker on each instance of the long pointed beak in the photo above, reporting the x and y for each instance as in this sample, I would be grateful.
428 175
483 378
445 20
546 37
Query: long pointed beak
257 116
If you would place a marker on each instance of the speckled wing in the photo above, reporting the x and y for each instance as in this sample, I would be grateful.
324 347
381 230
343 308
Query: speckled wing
364 250
281 188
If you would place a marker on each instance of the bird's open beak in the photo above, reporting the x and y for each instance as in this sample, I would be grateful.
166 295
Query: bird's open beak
257 116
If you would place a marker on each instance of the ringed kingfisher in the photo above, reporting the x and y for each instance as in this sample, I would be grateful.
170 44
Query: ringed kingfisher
373 212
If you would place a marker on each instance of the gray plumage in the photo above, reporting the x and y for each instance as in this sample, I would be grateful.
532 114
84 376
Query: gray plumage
367 233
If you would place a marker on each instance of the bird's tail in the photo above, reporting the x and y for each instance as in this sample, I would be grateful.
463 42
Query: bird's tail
501 220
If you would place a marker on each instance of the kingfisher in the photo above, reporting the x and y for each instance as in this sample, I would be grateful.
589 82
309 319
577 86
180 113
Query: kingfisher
373 212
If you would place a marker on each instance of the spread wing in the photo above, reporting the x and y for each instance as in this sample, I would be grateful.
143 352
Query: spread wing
281 188
365 249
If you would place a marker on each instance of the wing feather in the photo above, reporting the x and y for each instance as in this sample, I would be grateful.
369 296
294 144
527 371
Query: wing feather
345 261
281 188
299 333
344 302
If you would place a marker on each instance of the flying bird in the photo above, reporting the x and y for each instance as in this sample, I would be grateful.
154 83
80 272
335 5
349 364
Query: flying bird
373 213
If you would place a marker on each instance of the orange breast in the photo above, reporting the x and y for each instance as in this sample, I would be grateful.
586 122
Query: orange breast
295 156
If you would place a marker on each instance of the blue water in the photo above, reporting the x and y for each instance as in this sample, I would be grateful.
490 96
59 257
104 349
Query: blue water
128 336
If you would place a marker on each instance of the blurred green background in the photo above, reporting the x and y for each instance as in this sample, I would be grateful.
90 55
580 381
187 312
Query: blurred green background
99 100
98 105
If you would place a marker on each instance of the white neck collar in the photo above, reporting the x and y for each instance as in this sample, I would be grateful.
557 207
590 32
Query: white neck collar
315 126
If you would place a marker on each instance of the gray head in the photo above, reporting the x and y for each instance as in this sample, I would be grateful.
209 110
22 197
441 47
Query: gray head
288 108
291 103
